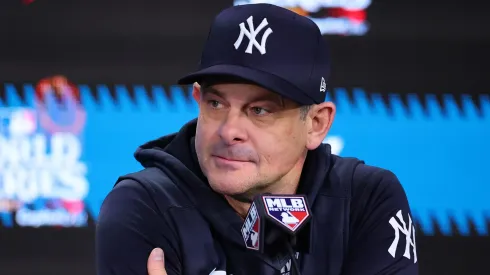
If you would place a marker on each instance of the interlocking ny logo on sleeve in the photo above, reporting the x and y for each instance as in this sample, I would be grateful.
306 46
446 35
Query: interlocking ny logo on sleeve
252 33
409 233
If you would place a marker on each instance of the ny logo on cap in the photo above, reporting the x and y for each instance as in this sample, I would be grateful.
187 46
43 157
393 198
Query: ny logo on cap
251 33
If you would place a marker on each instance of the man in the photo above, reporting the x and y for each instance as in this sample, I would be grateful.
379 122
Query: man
262 119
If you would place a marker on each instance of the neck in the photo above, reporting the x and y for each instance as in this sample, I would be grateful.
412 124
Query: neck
287 185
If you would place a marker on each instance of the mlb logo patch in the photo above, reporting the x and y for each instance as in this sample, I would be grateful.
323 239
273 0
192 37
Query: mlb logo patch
22 122
251 229
291 212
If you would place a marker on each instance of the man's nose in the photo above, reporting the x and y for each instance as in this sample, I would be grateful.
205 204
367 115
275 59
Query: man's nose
232 129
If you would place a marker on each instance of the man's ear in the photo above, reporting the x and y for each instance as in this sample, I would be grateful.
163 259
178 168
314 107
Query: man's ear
321 117
196 92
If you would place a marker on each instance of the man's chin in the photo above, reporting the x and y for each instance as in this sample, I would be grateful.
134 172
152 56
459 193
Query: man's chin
236 191
228 188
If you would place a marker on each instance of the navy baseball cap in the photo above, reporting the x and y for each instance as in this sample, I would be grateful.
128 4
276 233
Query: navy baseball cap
270 46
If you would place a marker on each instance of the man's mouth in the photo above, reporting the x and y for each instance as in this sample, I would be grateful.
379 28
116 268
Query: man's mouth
230 159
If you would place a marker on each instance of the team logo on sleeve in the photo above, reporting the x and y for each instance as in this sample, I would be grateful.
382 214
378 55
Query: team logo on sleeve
291 212
400 226
251 228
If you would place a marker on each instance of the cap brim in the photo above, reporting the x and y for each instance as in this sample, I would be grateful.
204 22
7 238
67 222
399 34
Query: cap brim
261 78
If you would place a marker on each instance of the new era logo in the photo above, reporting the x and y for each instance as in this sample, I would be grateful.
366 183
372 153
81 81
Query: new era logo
251 33
323 85
291 212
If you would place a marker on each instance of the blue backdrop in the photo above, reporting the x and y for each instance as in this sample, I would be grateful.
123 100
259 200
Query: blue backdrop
440 156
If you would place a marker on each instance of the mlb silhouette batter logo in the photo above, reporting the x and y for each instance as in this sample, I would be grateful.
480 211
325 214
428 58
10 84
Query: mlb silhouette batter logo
253 239
291 212
251 229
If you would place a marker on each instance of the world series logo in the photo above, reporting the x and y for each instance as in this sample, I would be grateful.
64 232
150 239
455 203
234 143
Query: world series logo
42 176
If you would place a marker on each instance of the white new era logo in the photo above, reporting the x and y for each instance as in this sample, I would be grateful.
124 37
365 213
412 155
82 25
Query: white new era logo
251 33
323 85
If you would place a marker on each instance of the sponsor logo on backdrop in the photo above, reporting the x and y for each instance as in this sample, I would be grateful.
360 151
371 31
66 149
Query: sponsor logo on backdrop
333 17
42 178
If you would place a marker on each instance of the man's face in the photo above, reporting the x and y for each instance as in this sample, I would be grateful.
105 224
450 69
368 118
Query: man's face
248 139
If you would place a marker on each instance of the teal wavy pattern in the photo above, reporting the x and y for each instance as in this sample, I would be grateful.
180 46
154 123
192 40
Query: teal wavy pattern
439 155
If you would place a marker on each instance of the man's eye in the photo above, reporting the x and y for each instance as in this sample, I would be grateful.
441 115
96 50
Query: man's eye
214 103
259 111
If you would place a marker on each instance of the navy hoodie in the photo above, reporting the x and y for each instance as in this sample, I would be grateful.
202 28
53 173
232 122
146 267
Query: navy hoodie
361 218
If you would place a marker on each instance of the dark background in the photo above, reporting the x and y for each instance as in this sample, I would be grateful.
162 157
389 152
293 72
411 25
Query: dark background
420 47
413 46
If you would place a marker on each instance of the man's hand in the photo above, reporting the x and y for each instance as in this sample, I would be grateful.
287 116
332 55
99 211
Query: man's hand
156 262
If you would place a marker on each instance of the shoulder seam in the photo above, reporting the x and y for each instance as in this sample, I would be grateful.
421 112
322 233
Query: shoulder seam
149 189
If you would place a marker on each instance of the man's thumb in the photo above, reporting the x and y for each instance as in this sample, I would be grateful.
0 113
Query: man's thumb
156 262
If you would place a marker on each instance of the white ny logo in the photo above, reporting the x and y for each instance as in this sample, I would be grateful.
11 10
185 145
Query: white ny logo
287 268
409 233
251 33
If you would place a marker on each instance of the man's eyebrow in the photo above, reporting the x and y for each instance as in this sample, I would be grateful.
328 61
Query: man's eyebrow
272 97
209 90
